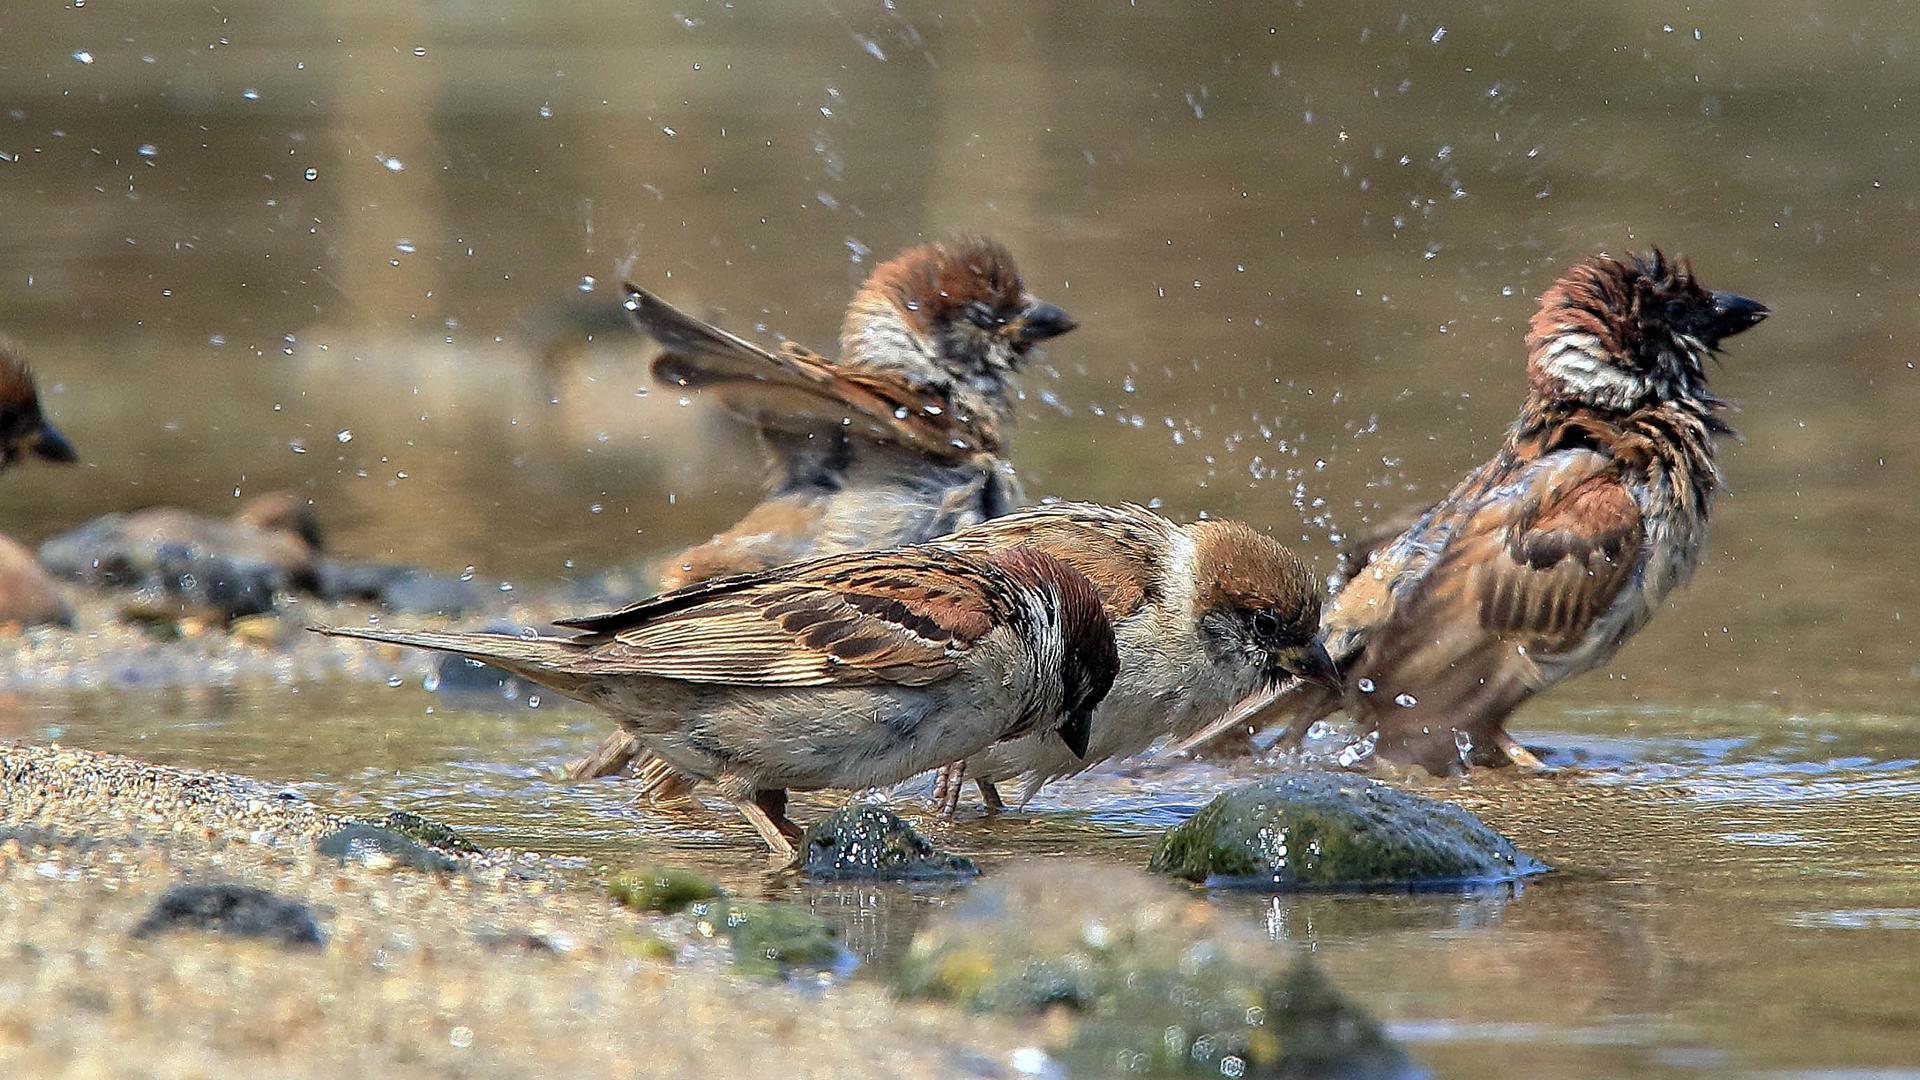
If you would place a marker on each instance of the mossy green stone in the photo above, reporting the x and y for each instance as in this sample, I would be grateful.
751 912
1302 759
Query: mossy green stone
769 939
1320 830
664 889
430 833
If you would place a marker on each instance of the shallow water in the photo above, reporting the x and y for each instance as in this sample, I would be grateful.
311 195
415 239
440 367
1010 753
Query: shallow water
1302 243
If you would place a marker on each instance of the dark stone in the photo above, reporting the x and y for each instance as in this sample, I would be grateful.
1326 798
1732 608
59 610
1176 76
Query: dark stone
522 941
373 846
430 833
662 888
1151 980
869 842
1325 830
203 563
232 909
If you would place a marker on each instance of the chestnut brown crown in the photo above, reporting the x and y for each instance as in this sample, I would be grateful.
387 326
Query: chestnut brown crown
960 302
1624 333
24 431
1258 602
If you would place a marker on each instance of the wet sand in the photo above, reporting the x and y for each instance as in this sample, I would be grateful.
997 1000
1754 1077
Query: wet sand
514 964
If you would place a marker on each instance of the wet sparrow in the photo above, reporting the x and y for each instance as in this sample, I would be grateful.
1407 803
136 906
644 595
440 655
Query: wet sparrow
1541 563
23 430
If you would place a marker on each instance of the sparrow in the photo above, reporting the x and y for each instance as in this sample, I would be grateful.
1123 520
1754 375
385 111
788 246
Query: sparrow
901 439
1541 563
848 671
24 432
1203 615
27 595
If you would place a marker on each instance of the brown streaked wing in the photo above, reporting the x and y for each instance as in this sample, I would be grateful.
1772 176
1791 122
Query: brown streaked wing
1109 545
906 617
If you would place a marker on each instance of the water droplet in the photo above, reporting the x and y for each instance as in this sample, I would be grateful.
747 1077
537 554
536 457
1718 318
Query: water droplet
1367 686
546 111
344 435
312 175
393 164
395 680
404 247
1405 701
297 446
83 56
587 283
467 574
533 701
147 150
250 94
419 50
1438 34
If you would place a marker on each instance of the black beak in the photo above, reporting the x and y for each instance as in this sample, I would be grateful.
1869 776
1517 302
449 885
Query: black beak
50 445
1313 664
1076 731
1042 320
1733 314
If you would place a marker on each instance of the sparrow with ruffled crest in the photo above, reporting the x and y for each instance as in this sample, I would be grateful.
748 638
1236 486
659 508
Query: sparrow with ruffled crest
849 671
1544 561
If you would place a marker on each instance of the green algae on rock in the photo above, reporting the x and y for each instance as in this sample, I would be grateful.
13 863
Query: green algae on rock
772 939
1322 830
1153 980
430 833
868 842
665 889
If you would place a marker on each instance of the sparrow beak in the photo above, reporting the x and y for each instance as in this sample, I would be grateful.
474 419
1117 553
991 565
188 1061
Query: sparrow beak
1076 731
1733 314
1039 322
49 444
1311 663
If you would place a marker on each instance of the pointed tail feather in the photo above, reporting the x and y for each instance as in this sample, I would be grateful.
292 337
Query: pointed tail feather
535 659
1295 703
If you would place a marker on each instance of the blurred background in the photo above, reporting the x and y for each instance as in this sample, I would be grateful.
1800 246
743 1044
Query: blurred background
372 250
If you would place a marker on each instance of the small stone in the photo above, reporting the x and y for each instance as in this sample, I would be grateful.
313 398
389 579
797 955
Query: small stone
664 889
430 833
1325 830
240 910
868 842
382 849
771 939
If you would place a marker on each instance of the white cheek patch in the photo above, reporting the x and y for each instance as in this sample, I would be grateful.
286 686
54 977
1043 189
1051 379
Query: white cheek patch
1579 364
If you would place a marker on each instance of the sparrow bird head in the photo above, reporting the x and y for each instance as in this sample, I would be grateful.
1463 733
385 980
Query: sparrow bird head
1623 333
23 431
1092 659
958 304
1258 605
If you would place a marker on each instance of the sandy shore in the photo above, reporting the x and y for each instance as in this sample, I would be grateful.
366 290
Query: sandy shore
506 966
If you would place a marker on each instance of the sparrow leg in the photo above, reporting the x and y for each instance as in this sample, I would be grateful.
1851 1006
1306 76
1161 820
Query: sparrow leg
663 785
610 758
946 789
1519 755
990 795
773 828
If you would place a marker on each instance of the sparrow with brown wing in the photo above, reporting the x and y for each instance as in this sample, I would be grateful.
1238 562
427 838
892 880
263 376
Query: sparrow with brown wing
24 432
1203 615
848 671
901 439
1542 562
27 595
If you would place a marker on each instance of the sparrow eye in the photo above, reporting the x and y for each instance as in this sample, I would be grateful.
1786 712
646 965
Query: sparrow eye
1266 624
983 316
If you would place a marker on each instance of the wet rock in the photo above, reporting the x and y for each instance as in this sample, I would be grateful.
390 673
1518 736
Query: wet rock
521 941
1324 830
864 841
1151 979
240 910
772 939
403 589
233 567
28 596
382 849
430 833
662 888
